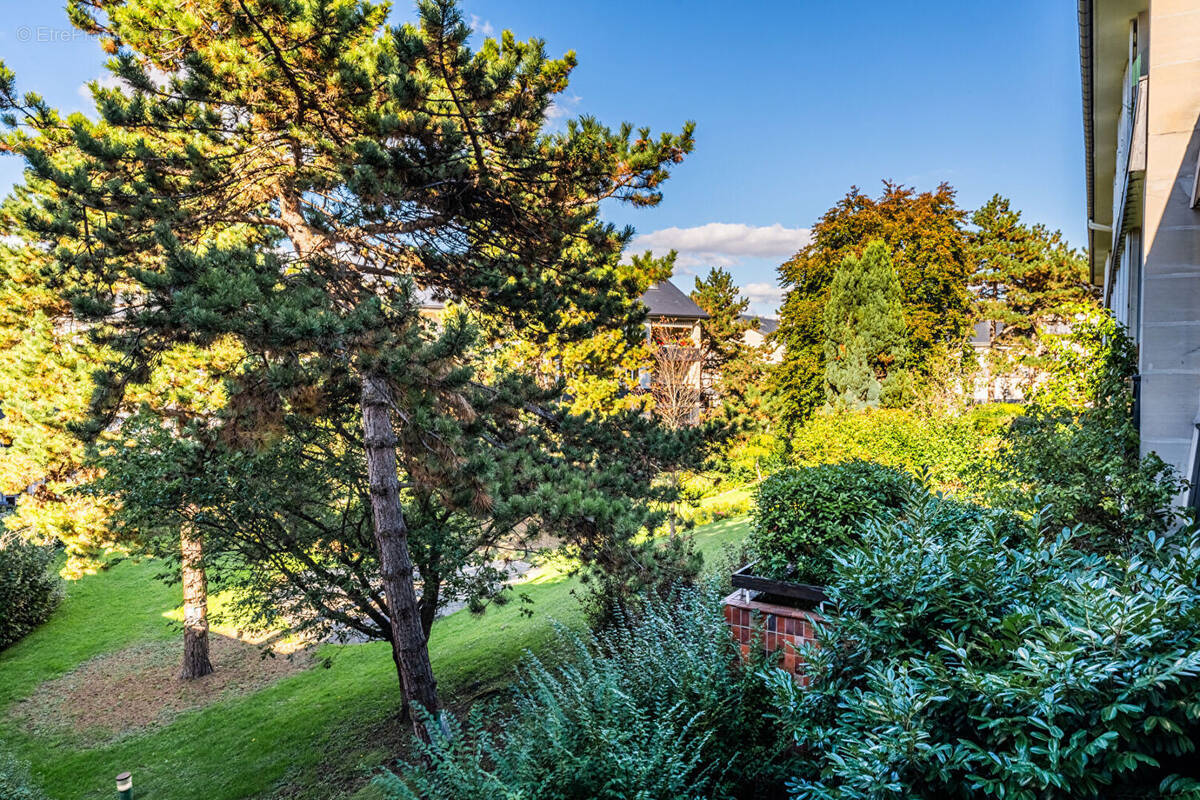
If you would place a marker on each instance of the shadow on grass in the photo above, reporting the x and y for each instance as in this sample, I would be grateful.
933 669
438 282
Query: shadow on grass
313 734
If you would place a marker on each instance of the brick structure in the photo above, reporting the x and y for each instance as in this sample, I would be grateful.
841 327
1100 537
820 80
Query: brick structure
777 628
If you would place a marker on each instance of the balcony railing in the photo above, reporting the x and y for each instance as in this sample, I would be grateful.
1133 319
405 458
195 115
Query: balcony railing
1131 146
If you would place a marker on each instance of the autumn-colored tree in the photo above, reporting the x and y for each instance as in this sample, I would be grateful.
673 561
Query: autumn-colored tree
924 232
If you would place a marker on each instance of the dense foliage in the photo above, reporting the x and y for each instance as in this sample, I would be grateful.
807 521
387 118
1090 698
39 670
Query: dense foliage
29 588
1076 446
295 177
929 249
803 517
1026 279
655 708
866 339
977 656
949 450
45 383
16 780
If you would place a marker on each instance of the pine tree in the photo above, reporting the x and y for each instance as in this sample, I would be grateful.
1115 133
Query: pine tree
932 260
600 372
1025 276
866 338
723 330
289 175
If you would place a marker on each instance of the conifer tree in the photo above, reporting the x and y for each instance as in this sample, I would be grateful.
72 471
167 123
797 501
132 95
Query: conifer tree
866 338
932 260
722 331
599 372
1024 276
290 175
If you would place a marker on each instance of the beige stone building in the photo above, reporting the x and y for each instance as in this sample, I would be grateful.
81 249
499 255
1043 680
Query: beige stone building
1140 65
761 337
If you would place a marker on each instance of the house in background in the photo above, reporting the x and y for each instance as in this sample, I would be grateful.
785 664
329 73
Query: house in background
673 315
991 384
762 336
677 377
1140 68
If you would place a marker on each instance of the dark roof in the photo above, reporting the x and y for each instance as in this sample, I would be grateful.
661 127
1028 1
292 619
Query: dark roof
665 301
766 325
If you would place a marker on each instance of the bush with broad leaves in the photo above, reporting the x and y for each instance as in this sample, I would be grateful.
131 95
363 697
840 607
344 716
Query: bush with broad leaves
965 657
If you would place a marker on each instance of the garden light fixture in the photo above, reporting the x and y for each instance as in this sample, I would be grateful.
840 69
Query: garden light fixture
125 786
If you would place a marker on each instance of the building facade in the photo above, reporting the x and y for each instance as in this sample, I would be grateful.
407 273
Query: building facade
1140 68
761 337
677 378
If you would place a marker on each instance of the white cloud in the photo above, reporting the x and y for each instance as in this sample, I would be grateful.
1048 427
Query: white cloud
722 244
562 107
109 81
763 294
106 81
481 25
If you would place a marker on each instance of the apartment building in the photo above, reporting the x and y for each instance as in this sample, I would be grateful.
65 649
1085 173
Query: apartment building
1140 68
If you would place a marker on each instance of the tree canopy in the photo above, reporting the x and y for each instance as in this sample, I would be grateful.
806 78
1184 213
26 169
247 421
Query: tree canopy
290 176
924 232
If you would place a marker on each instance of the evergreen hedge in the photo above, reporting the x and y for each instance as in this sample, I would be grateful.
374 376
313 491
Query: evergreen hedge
963 658
803 516
29 588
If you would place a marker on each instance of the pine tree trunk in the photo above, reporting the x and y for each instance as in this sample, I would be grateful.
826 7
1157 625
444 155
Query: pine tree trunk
196 663
395 564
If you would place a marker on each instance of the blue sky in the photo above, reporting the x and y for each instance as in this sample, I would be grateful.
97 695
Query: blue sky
794 102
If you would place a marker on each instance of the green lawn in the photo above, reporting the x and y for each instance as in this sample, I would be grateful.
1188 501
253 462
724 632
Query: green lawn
314 734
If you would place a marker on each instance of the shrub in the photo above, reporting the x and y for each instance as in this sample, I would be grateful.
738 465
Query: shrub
1076 448
656 707
949 450
802 516
15 779
29 589
622 579
965 661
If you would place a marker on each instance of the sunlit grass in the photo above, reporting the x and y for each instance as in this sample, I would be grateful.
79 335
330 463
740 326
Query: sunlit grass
314 734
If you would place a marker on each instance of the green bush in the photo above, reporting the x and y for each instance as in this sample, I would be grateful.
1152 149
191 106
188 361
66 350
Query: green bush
29 589
803 516
949 450
965 660
15 780
655 708
1076 448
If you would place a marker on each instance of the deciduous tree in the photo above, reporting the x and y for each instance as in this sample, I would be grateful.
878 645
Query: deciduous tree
924 231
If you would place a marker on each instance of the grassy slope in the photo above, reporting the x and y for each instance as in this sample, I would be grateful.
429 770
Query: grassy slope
300 737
